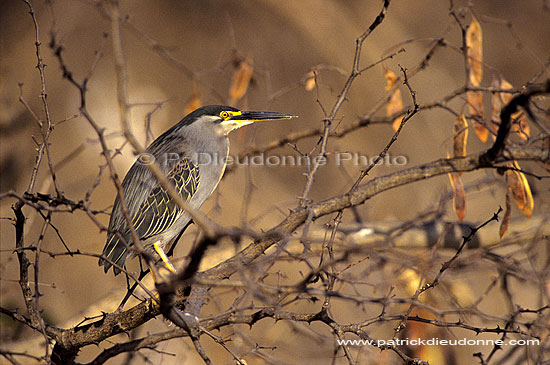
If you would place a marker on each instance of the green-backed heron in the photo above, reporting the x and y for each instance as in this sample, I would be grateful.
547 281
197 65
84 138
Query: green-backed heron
188 154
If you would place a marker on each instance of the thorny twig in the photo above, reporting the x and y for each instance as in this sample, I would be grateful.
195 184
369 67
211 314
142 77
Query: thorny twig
446 265
355 72
110 324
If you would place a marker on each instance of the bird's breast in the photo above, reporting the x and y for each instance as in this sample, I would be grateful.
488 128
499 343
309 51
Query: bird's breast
211 159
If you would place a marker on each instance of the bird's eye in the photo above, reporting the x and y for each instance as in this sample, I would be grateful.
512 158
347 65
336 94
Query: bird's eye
224 115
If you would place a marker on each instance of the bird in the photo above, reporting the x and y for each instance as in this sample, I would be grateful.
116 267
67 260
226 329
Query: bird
193 156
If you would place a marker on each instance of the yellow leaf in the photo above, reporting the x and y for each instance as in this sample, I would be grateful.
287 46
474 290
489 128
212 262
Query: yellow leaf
475 103
432 354
529 202
474 42
396 102
514 185
310 81
519 122
396 123
506 220
241 80
475 107
519 187
505 97
460 136
496 106
411 280
395 105
520 126
391 79
463 293
459 196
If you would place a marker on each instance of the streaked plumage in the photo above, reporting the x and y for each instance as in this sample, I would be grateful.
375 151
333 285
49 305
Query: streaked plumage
156 218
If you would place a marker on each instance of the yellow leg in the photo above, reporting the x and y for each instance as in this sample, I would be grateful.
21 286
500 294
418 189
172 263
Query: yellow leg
164 258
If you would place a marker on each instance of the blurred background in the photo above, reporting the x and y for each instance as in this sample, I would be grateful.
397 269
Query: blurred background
208 40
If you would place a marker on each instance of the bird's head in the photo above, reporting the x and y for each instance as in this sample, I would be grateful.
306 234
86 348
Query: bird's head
229 118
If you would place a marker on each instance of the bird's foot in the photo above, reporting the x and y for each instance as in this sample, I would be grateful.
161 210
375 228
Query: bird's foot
164 258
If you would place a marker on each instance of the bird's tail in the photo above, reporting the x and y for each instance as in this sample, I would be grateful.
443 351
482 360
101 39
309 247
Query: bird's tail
115 251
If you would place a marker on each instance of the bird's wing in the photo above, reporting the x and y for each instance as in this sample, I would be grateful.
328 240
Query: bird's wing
156 212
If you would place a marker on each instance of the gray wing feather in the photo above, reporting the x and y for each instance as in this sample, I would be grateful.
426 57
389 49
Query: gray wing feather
150 207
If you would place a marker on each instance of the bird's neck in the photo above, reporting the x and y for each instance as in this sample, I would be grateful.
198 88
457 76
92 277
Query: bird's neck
206 144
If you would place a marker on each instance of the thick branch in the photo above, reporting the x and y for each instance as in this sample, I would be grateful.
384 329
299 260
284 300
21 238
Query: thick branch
119 322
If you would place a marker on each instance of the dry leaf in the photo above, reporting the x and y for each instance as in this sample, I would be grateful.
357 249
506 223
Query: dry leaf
529 203
496 106
519 122
396 102
460 136
459 196
506 220
520 126
475 107
194 102
505 85
463 293
241 80
391 79
395 105
397 123
475 103
431 354
519 187
515 185
310 81
474 40
411 280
